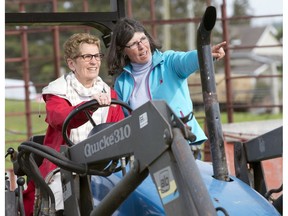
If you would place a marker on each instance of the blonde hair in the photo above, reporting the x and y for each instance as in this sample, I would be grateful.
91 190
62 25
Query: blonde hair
72 45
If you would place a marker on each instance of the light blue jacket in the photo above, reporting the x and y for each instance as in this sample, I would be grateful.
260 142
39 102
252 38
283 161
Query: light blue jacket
167 81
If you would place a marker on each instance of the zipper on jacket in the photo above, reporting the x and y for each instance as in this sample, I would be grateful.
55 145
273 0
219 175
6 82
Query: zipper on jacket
147 82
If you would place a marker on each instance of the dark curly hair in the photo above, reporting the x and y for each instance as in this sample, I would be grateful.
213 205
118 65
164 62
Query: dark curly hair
122 33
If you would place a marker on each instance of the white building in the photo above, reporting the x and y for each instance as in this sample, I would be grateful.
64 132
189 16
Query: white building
15 90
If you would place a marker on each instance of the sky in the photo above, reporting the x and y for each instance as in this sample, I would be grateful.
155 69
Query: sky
260 7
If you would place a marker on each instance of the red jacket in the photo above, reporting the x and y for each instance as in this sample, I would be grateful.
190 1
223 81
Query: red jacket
57 109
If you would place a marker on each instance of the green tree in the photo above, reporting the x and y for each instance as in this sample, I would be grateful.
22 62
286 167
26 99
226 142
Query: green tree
40 38
178 10
241 8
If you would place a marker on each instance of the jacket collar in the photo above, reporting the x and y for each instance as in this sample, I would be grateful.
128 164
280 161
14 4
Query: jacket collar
157 58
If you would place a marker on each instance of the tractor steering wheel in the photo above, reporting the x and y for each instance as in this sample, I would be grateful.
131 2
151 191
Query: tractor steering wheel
90 105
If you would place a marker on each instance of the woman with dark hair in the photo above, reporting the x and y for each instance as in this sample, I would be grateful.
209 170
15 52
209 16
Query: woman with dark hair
145 73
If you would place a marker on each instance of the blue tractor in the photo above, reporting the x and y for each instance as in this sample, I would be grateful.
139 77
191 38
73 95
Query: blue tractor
148 169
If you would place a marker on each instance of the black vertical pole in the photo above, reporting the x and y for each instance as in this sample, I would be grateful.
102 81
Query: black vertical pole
211 104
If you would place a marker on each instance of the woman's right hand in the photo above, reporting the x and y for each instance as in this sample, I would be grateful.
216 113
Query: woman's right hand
218 50
102 98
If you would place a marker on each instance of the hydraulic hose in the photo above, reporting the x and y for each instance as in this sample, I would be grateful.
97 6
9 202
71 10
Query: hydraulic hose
47 207
24 162
58 159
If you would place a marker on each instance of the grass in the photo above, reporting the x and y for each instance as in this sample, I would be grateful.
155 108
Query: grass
16 127
241 117
16 124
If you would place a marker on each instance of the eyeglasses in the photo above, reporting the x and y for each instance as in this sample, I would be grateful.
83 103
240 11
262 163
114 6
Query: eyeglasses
135 45
88 57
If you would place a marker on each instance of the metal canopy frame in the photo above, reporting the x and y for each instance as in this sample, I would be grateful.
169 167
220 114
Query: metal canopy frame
102 21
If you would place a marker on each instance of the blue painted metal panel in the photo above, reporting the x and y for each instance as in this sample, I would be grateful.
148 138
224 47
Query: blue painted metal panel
143 201
236 197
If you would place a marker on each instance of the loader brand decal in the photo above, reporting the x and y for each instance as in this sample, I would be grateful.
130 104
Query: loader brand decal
143 120
261 144
166 185
67 191
107 140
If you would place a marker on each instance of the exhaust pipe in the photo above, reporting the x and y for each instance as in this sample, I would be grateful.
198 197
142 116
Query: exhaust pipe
211 105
